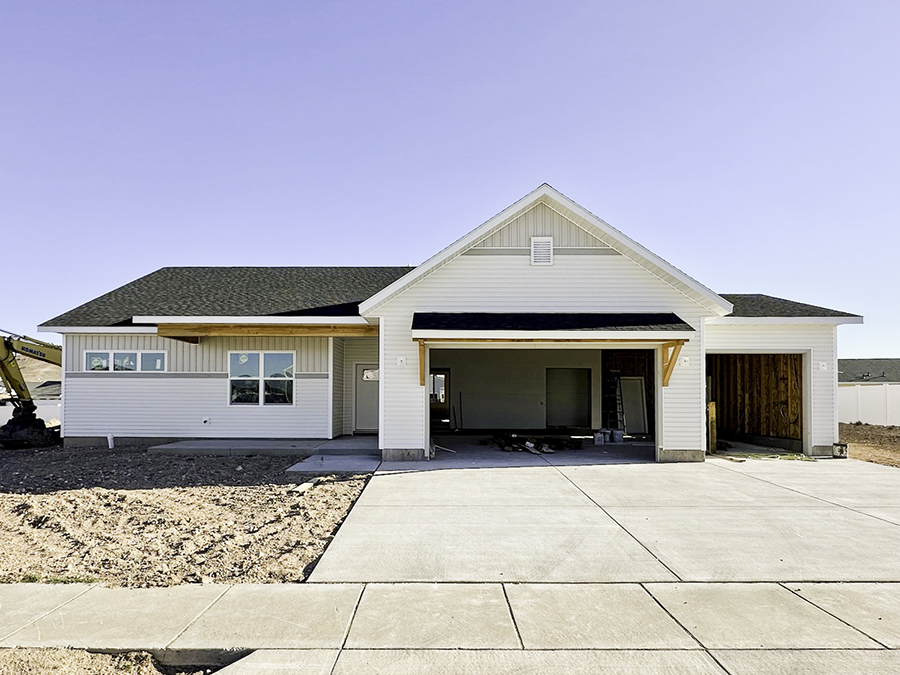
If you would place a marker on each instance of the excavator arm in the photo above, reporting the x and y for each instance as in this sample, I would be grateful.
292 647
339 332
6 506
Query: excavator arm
24 428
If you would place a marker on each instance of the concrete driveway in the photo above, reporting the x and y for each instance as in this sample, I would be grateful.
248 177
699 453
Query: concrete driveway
565 518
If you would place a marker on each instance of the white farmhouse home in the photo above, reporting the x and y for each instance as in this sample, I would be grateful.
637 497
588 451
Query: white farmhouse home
543 318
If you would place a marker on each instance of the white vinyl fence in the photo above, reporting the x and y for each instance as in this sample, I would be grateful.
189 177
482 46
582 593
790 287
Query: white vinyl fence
875 403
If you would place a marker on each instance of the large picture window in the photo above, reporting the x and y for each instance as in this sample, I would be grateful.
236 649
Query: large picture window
261 378
125 362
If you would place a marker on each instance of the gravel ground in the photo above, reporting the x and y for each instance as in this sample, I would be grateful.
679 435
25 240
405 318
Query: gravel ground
128 518
872 443
76 662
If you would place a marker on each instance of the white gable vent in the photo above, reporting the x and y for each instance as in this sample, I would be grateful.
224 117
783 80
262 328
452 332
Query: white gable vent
542 250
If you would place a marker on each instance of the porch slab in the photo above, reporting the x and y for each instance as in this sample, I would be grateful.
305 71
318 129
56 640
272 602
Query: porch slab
433 616
485 543
337 464
593 616
872 608
461 662
119 618
765 543
755 616
22 604
809 662
271 616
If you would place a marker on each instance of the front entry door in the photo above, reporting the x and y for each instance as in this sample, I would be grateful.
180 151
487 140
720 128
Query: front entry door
366 397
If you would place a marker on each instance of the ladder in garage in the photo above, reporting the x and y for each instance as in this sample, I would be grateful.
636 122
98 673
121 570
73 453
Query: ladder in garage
620 407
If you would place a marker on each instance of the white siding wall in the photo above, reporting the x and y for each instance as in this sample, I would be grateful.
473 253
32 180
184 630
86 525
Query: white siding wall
816 342
574 283
174 404
874 403
541 221
356 350
176 407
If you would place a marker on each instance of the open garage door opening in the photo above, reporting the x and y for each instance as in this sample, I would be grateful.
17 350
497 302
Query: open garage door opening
544 394
757 399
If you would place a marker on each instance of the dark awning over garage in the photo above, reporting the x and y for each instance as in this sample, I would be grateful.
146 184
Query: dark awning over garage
544 321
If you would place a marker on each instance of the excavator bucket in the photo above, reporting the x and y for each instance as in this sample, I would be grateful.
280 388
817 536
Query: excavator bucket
26 430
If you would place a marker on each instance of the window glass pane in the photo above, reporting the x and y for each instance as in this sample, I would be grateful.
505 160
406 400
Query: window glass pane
245 364
370 374
96 360
124 361
279 392
153 361
245 391
278 365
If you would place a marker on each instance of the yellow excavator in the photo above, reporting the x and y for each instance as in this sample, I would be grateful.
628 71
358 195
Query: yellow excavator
24 429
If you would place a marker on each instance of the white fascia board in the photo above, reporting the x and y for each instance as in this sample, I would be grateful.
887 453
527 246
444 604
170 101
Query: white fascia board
99 330
258 320
717 303
579 335
783 320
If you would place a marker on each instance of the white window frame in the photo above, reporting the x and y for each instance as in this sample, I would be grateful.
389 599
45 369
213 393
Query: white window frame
540 242
110 357
261 380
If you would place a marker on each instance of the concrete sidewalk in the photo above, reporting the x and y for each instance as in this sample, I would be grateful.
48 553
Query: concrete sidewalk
473 628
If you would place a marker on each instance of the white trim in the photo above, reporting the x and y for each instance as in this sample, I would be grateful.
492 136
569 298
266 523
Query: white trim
381 378
261 379
95 330
62 391
330 388
783 320
547 194
274 320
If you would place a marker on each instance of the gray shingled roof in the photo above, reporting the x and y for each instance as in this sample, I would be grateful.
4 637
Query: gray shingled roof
769 306
235 291
298 291
868 370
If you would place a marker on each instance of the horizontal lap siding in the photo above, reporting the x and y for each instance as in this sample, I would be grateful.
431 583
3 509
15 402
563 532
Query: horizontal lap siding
511 284
819 341
161 407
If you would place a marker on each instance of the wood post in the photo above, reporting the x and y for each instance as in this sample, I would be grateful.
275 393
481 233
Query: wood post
711 426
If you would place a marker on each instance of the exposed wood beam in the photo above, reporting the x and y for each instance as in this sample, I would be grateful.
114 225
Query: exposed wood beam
671 350
188 330
421 363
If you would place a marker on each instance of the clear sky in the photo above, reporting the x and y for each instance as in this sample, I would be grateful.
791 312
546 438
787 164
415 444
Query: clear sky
755 145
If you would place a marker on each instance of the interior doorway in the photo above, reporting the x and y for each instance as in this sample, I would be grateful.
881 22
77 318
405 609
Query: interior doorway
439 399
568 398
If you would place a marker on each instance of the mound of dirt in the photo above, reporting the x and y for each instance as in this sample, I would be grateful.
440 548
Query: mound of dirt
872 443
128 518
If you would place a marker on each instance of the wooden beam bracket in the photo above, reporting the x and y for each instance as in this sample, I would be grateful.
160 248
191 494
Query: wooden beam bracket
671 351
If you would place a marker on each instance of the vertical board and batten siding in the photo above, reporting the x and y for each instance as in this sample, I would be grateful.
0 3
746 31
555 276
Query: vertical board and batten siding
540 221
128 404
337 387
870 403
818 341
356 350
573 283
210 356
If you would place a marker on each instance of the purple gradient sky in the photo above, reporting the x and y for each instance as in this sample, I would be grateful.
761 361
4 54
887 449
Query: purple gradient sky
754 145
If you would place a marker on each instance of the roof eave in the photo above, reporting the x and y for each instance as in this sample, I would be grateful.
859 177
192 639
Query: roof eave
784 320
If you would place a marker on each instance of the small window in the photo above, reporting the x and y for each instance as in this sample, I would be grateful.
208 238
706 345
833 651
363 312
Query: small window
153 362
261 378
542 250
370 374
96 361
125 362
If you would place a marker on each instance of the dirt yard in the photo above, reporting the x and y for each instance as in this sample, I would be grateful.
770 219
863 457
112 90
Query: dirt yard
872 443
128 518
77 662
